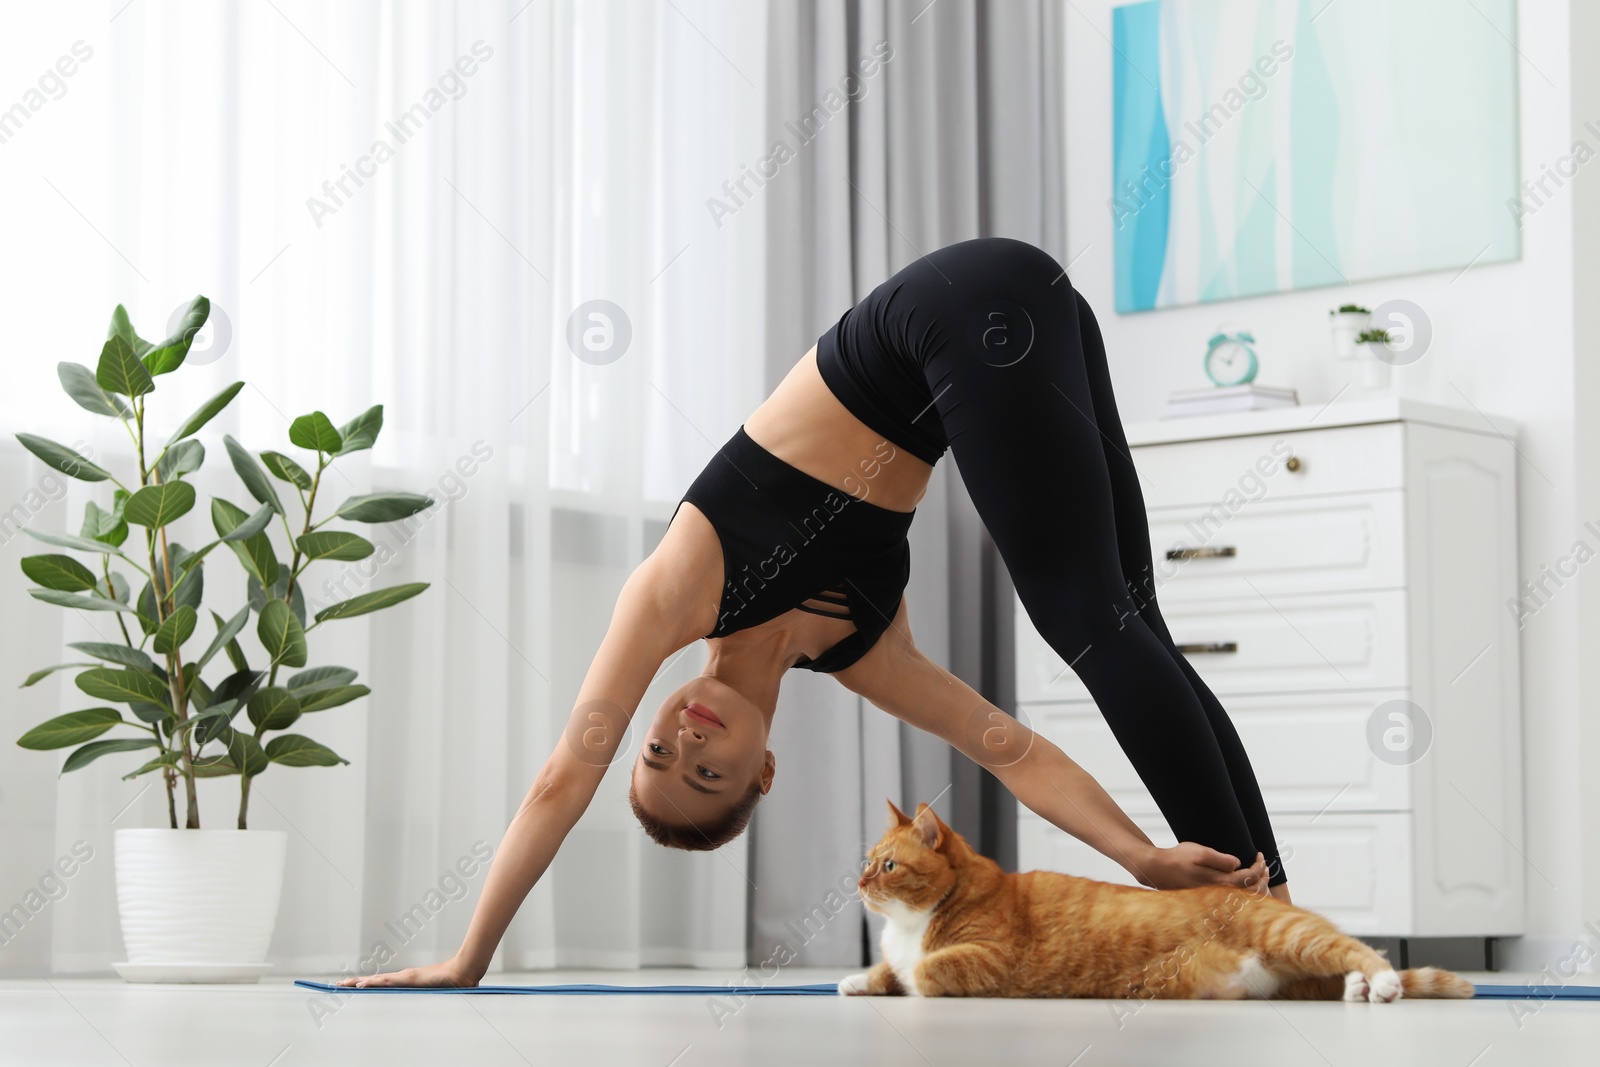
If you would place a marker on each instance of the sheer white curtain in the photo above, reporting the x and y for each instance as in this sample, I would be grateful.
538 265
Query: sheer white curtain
396 203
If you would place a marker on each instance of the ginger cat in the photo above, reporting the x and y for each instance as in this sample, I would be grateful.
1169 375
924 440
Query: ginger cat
961 927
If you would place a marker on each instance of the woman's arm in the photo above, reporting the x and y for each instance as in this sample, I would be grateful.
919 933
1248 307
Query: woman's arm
898 678
637 641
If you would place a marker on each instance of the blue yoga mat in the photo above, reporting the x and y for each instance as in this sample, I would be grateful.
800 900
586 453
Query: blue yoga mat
827 989
1537 992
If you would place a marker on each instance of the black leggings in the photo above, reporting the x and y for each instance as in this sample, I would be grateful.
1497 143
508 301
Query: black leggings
1014 364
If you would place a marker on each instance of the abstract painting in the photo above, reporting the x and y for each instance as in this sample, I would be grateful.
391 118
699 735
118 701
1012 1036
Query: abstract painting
1261 146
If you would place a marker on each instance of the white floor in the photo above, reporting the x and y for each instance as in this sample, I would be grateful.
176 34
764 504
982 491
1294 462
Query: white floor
71 1021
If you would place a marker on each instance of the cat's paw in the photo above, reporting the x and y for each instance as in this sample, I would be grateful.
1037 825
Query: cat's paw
1355 987
854 985
1385 987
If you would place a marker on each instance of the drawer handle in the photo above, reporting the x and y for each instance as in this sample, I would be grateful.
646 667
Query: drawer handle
1209 646
1292 464
1202 553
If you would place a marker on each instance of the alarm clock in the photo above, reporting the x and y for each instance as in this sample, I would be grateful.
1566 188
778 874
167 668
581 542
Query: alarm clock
1229 358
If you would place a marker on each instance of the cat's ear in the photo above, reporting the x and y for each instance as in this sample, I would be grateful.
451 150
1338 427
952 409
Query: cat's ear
928 825
897 818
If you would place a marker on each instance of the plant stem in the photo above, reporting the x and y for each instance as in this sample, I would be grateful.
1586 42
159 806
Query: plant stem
105 563
244 799
167 773
295 567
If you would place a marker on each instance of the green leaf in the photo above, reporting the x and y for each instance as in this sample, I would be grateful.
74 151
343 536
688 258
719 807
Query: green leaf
205 413
44 672
362 431
128 657
245 751
175 631
80 385
258 596
255 552
106 527
73 600
373 601
154 713
63 459
121 327
331 697
120 370
273 708
238 686
166 759
382 507
179 459
73 728
149 613
82 544
293 750
226 631
250 473
334 544
281 634
95 749
59 572
213 722
122 687
250 526
287 469
319 678
316 432
167 356
158 505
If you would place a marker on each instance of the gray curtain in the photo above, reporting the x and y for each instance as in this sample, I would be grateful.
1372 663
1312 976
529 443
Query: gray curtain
955 134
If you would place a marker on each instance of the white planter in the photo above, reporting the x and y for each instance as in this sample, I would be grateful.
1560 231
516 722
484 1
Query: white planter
1375 364
198 905
1347 325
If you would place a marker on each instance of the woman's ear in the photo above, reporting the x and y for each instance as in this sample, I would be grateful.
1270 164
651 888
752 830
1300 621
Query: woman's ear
768 769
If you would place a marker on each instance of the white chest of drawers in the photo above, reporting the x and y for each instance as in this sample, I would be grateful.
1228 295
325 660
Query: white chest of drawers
1343 580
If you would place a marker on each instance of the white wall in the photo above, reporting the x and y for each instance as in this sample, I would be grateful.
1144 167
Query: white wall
1503 340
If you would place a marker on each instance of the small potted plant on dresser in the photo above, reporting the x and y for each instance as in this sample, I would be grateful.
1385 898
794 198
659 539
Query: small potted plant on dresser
1348 321
1377 359
198 904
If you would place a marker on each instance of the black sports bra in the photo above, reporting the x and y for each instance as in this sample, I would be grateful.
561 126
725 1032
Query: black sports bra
793 541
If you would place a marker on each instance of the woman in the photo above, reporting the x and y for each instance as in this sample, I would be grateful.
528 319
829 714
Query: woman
789 550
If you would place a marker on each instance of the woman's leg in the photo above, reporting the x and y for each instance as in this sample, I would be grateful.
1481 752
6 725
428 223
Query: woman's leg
1133 548
994 325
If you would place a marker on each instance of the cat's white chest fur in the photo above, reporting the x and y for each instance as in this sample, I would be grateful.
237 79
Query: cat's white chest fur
902 941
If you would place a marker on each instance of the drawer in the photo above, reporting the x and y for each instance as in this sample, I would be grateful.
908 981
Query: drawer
1309 752
1231 470
1279 547
1351 868
1325 643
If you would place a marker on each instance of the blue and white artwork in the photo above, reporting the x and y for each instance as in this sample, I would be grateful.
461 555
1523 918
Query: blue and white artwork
1267 145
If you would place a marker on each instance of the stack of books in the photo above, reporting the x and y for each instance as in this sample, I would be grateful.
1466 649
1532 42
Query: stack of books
1217 400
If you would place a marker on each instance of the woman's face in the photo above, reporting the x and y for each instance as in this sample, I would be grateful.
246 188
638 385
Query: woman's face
701 753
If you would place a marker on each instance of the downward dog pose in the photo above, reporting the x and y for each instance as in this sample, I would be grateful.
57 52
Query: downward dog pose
789 550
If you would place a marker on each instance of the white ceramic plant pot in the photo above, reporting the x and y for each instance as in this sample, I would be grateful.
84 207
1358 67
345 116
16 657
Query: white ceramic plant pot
198 905
1375 365
1347 326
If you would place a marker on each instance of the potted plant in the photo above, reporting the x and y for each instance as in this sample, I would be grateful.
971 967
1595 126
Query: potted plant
198 904
1347 321
1379 357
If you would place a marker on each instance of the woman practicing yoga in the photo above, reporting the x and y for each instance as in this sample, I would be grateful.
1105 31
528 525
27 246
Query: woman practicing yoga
789 550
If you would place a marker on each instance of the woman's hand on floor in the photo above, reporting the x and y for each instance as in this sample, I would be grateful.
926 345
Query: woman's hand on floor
449 974
1188 864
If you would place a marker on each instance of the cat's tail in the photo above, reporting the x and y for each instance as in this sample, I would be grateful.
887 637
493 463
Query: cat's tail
1431 982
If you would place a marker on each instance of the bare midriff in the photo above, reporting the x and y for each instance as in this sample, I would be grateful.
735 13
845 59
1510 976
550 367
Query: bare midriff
805 425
